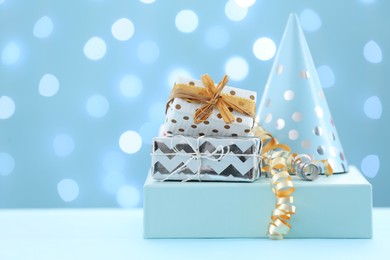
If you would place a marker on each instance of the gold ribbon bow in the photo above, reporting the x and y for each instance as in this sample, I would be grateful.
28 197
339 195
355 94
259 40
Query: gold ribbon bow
211 96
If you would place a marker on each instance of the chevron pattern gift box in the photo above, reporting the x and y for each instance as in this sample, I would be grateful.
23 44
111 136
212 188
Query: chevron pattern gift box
221 159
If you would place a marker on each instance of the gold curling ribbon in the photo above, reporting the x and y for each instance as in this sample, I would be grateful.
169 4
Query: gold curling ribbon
279 163
210 96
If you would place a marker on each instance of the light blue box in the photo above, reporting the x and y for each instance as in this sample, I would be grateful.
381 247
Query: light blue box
339 206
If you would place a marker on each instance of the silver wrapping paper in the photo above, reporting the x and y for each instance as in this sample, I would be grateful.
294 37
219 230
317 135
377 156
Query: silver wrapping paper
206 158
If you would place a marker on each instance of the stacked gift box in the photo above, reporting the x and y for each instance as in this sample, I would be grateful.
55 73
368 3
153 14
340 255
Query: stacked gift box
205 175
211 148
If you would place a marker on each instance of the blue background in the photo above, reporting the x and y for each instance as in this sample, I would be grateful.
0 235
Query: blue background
83 91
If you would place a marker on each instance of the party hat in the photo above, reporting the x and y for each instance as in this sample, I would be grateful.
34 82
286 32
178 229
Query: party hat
293 107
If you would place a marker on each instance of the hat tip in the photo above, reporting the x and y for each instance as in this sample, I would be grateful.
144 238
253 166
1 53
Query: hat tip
293 18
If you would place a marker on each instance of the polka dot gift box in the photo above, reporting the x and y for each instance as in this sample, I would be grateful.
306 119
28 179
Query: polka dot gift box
293 107
190 110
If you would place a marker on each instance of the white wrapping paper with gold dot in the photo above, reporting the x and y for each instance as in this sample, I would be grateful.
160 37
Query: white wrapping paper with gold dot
206 158
180 113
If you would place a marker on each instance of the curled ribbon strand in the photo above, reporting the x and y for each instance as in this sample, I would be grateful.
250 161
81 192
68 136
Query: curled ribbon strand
279 164
211 97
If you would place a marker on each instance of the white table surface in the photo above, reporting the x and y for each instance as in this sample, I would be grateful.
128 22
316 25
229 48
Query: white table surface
117 234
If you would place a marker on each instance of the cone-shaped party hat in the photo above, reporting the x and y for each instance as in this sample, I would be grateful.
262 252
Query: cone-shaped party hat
293 107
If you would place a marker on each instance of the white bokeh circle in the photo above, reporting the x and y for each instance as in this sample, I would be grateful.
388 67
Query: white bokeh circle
326 76
234 12
186 21
7 164
48 85
97 105
310 20
68 190
95 48
128 196
122 29
370 165
43 27
63 145
176 73
372 52
130 142
237 68
131 86
7 107
11 53
373 107
264 48
245 3
147 1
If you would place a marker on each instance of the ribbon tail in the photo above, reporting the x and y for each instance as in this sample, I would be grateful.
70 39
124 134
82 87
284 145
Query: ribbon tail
202 113
227 116
240 105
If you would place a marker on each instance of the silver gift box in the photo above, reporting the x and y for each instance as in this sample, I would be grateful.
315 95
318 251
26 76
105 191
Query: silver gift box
206 158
